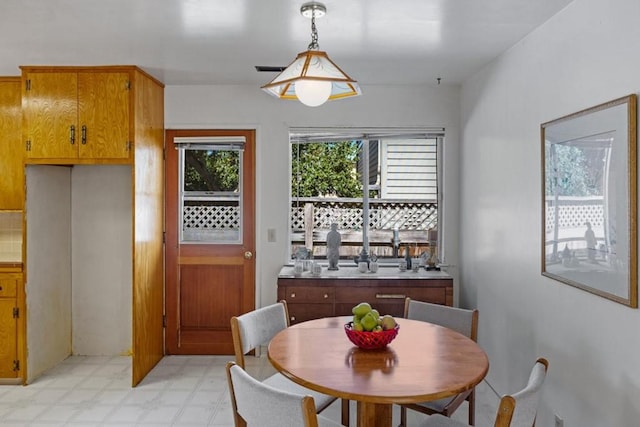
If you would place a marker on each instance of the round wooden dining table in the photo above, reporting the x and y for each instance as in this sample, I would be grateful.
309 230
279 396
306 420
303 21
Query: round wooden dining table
425 362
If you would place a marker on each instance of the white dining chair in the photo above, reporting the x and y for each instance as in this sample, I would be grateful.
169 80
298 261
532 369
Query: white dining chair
516 410
258 327
260 405
460 320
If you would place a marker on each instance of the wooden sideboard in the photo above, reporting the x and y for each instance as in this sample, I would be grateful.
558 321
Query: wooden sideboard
334 293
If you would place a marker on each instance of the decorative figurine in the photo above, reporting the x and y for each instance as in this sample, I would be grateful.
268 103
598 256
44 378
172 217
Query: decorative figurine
407 257
333 247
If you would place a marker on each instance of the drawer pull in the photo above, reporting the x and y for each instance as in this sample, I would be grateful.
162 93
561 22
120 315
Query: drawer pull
293 294
0 288
326 296
390 296
293 318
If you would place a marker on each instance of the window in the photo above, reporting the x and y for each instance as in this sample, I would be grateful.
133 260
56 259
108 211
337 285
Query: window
210 189
344 176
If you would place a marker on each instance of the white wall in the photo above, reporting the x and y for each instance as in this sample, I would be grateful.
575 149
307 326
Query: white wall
48 267
585 55
101 257
249 107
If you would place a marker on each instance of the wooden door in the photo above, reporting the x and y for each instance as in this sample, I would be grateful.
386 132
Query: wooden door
50 115
103 115
210 240
11 147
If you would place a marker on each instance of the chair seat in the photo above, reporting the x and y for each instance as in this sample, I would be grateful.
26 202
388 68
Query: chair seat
281 382
438 420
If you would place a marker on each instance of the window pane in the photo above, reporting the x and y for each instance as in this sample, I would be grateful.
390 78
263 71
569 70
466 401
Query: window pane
328 187
211 195
212 171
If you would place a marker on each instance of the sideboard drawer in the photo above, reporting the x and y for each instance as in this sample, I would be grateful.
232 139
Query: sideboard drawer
302 294
303 312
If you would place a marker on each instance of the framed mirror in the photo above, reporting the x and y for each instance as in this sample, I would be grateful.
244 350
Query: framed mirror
589 200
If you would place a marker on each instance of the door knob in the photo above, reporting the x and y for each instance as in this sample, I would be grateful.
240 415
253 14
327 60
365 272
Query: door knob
248 255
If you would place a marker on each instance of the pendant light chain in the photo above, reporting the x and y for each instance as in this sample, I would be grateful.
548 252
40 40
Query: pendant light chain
314 33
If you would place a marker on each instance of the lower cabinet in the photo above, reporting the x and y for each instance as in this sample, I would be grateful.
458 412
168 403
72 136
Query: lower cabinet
9 317
312 297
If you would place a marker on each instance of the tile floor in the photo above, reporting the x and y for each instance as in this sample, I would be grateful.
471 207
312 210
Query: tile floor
179 391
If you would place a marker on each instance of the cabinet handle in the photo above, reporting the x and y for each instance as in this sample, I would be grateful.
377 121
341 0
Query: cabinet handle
293 318
326 296
293 294
84 134
0 288
72 135
390 296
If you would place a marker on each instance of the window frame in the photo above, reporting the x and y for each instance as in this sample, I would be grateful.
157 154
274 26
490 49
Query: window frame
209 143
308 135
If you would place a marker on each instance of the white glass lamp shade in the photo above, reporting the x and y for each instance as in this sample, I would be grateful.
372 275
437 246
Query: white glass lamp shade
309 78
313 92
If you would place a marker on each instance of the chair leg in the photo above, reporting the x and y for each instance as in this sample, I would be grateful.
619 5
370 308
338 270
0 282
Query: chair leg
403 417
472 408
345 412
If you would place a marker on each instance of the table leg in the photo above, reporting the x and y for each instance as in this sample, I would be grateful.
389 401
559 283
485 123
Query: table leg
374 414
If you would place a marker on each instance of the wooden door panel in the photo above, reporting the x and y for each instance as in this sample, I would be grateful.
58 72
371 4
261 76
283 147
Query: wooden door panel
148 263
205 288
49 132
103 111
207 303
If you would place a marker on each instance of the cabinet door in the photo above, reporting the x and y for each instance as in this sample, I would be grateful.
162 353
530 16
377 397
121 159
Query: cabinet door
50 115
103 115
8 338
11 147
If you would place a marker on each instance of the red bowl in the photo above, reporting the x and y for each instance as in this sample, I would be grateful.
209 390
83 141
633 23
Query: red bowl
370 340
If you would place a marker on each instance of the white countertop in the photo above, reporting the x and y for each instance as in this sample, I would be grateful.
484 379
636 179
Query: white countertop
348 272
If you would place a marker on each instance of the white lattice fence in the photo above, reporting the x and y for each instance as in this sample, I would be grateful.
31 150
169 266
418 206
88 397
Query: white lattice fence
384 216
211 217
404 217
346 218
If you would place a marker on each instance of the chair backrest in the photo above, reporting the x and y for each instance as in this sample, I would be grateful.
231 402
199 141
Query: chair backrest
257 327
459 319
519 409
258 404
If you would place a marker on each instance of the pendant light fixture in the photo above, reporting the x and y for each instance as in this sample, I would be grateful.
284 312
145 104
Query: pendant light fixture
312 78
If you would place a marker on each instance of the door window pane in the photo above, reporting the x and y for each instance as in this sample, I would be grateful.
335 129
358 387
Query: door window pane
211 188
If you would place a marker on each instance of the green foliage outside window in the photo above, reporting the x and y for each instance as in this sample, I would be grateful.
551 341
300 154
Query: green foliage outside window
211 170
325 170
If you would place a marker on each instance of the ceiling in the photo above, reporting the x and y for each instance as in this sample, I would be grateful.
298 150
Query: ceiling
192 42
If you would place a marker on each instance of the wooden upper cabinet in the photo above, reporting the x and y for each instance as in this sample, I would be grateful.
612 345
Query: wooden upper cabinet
103 115
11 148
77 115
49 115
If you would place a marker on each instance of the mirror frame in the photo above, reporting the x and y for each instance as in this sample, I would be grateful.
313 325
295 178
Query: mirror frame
604 263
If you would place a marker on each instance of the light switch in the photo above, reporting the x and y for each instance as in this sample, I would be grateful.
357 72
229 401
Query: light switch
271 235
